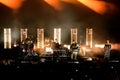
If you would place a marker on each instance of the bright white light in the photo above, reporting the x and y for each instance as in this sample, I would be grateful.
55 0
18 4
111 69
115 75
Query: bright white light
67 46
99 45
89 59
57 35
15 45
40 38
7 38
49 50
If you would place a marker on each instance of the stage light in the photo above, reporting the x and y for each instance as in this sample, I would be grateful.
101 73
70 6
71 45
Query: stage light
54 3
89 37
99 45
89 59
70 1
40 38
74 33
13 4
7 38
99 6
57 35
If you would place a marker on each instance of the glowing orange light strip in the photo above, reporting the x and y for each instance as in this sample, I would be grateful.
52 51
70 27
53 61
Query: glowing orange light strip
54 3
14 4
97 6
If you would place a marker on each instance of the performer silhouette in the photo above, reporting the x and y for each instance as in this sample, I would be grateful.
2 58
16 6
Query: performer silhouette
74 50
107 49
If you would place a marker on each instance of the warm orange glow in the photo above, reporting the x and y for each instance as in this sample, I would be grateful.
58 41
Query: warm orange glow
116 46
71 1
54 3
98 6
97 51
14 4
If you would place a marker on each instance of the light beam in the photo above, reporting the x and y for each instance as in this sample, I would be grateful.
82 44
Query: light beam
54 3
13 4
99 6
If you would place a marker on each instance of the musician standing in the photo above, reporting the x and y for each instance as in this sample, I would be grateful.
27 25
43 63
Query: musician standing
107 49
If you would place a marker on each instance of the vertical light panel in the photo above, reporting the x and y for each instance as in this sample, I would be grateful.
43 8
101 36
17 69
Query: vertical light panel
57 35
23 34
40 38
7 38
73 35
89 37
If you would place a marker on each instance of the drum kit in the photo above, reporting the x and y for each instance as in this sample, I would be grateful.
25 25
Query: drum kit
27 48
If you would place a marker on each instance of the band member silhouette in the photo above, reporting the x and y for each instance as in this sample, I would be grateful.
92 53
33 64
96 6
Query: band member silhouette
74 50
107 49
